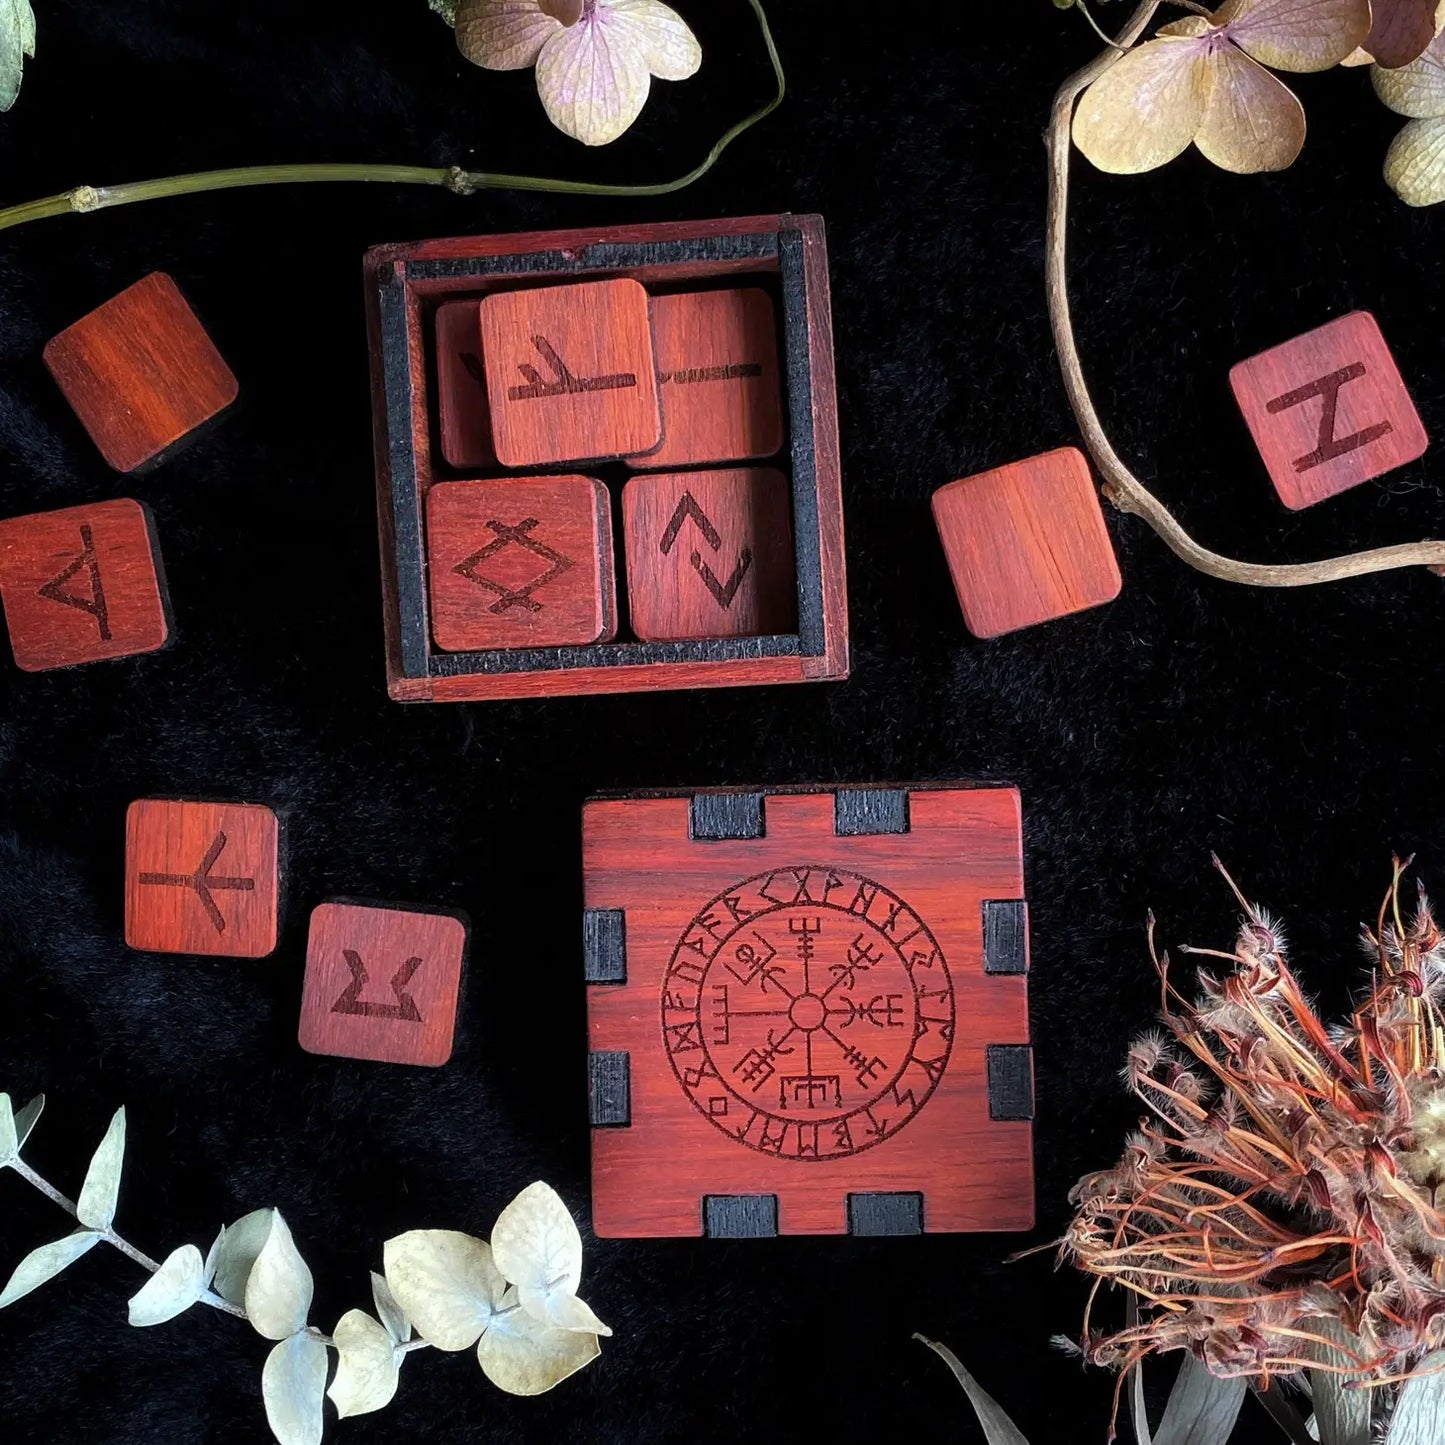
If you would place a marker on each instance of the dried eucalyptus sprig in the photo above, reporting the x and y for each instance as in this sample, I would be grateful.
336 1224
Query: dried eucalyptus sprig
514 1299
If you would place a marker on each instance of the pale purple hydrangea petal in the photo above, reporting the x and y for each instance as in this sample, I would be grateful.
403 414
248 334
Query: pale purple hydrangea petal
503 34
657 32
592 81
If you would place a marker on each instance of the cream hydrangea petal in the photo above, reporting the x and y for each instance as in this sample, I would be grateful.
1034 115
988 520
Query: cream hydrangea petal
503 34
1143 111
592 81
657 32
1402 29
1415 163
1253 121
1296 35
1417 89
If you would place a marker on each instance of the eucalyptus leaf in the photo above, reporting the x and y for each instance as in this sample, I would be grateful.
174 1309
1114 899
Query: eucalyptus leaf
1202 1408
101 1191
9 1140
213 1256
293 1385
17 40
45 1263
27 1119
523 1356
171 1290
240 1244
998 1429
388 1310
536 1244
561 1311
1419 1417
1343 1414
367 1371
446 1282
279 1290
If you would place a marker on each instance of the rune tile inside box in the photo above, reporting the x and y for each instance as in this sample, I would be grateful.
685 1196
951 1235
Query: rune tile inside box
808 1012
520 562
571 373
709 554
430 432
717 363
82 584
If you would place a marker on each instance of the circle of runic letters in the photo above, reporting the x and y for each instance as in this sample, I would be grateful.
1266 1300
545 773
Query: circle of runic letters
808 1012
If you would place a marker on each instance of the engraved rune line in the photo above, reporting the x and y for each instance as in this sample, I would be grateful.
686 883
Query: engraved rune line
1329 445
403 1010
566 384
95 604
692 374
519 535
687 510
204 883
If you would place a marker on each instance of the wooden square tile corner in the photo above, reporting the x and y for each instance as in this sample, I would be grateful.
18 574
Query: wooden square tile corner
407 285
808 1012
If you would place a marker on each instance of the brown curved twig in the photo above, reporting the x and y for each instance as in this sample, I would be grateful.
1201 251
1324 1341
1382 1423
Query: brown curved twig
1121 486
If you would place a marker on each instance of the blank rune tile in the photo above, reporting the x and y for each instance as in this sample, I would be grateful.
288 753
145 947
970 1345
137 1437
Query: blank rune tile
82 584
141 373
202 877
1026 543
382 983
571 373
813 1041
1328 410
717 363
466 418
709 554
522 562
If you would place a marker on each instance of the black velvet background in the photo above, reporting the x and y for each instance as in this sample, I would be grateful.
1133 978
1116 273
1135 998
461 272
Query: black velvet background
1296 732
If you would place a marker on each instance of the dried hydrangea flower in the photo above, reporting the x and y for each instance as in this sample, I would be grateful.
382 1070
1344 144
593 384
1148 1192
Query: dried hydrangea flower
1203 80
595 59
1415 162
1402 29
1280 1208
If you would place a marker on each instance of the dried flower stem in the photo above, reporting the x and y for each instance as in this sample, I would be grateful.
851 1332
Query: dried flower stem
1121 486
84 199
112 1238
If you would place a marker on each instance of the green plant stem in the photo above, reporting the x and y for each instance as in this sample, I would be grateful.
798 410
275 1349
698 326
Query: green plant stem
111 1237
84 199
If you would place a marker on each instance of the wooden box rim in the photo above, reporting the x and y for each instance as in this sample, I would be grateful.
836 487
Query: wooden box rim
401 279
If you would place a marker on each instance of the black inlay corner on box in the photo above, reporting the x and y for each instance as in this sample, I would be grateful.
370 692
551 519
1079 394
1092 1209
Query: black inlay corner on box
879 1215
740 1216
604 945
859 811
1005 935
716 816
609 1088
1010 1081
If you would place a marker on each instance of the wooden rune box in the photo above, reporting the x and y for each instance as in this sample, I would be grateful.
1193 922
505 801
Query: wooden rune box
688 366
808 1012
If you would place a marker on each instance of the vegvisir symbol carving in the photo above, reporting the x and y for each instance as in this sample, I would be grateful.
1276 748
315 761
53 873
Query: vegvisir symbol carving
808 1012
205 883
565 383
403 1010
688 511
1329 445
95 604
508 535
